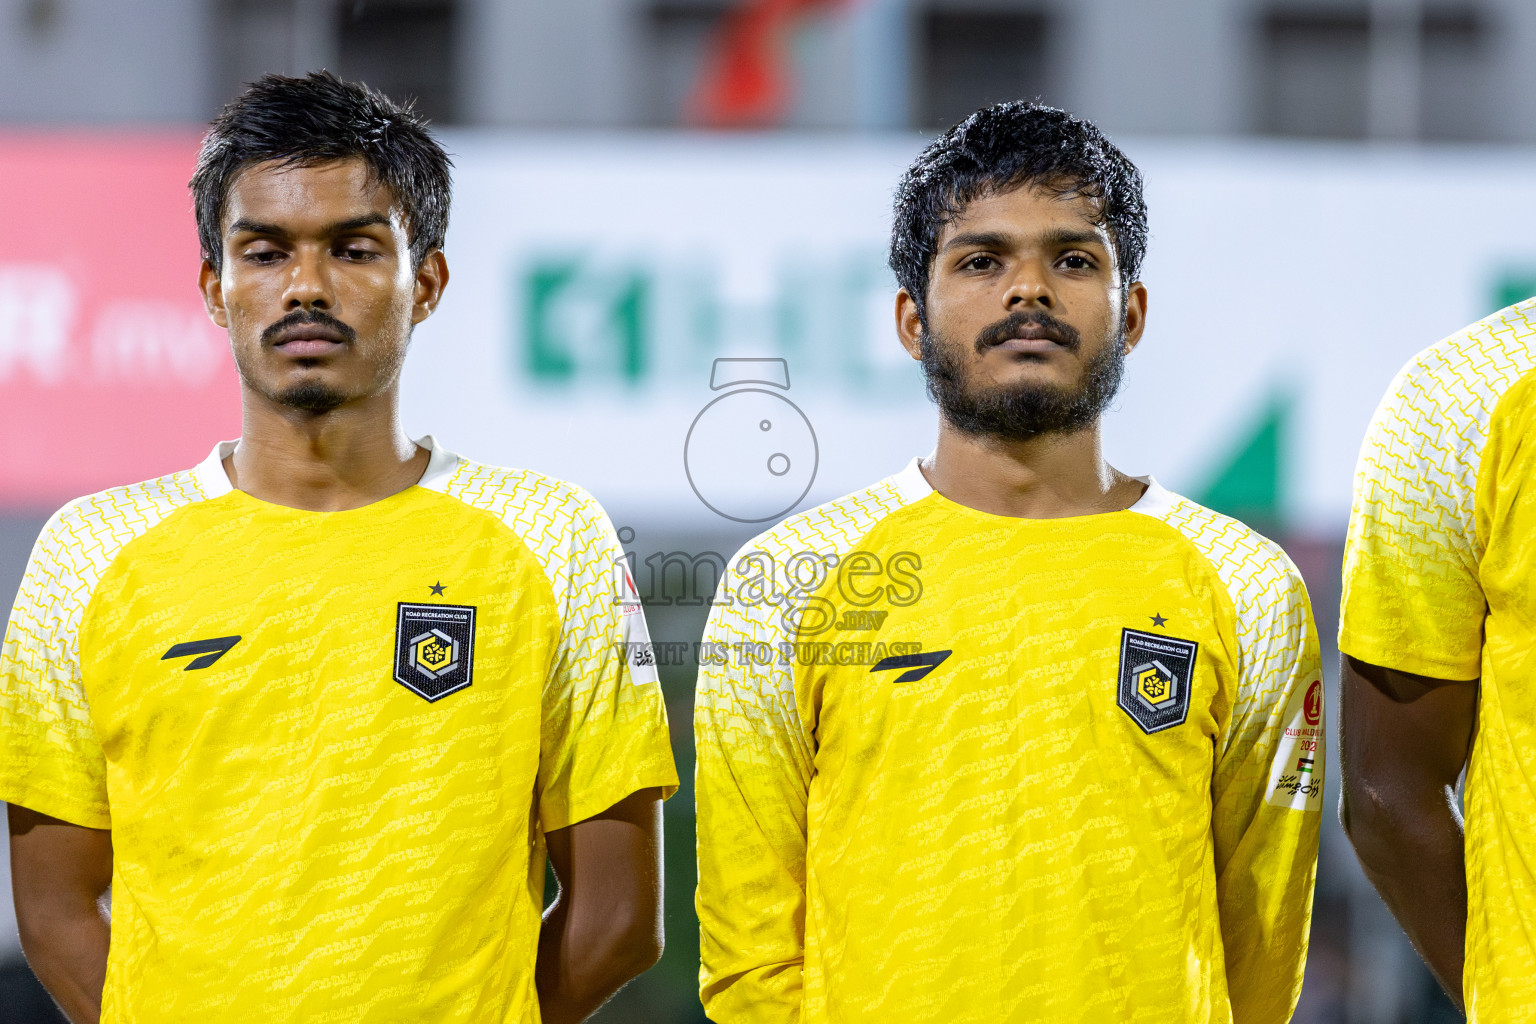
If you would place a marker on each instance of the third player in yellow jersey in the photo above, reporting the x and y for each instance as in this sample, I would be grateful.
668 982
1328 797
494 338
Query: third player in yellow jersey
1439 632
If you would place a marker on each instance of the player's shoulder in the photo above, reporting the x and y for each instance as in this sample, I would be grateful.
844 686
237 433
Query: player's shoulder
1463 376
517 495
555 519
1255 571
94 528
83 540
835 527
802 549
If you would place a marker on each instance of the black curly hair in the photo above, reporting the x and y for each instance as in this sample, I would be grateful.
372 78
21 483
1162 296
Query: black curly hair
999 148
316 119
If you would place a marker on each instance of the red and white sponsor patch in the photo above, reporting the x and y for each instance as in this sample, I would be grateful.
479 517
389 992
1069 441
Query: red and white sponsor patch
1296 771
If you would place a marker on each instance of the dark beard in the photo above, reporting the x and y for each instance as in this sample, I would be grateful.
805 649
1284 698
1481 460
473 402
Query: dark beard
1024 411
311 396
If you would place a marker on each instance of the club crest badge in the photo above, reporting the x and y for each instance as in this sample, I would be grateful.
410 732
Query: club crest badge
434 648
1155 676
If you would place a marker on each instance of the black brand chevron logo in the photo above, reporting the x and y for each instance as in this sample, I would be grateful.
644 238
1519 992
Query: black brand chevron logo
920 664
211 651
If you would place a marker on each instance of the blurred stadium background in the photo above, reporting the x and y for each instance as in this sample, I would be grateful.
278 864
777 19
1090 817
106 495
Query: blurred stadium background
644 186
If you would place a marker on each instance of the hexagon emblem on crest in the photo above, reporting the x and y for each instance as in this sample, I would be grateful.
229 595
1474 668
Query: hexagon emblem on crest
434 653
1154 683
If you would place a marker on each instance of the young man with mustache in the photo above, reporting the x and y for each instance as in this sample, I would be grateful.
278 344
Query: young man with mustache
318 709
1010 735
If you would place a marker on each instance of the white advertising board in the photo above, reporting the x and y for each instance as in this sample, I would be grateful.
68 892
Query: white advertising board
597 280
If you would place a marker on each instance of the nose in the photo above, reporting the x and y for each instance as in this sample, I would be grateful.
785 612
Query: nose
309 283
1030 287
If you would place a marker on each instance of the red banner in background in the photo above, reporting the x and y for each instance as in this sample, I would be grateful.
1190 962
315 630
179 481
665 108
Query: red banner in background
110 370
747 79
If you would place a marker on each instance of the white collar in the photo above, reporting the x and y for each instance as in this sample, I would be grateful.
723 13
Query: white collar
913 486
214 481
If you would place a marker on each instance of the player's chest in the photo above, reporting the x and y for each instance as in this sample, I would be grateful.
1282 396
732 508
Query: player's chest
316 642
1116 659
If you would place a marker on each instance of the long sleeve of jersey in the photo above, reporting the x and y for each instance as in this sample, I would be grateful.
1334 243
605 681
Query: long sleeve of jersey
1267 795
753 777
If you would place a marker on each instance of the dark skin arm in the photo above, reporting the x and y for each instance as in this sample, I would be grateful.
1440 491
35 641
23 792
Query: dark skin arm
60 874
604 927
1404 742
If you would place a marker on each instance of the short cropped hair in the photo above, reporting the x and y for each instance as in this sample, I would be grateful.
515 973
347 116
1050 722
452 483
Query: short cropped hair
999 148
316 119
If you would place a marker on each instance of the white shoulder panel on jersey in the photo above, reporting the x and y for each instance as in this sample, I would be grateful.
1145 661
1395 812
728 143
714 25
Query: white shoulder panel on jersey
758 603
1276 639
571 537
1420 458
73 552
40 677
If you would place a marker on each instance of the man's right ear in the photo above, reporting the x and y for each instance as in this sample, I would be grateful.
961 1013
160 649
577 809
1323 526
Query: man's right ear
909 324
212 287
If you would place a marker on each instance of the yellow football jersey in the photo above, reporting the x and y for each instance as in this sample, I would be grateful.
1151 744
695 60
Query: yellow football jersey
1440 580
328 744
959 767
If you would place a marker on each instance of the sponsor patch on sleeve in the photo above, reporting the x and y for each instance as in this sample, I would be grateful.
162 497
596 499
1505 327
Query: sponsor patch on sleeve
1296 773
638 653
625 594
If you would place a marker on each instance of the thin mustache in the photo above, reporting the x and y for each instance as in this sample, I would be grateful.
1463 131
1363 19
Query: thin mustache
313 316
1066 335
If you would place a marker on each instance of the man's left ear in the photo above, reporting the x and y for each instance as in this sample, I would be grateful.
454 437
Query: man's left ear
1135 315
909 324
212 287
431 279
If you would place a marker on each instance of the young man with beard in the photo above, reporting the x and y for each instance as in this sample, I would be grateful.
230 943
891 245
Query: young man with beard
317 709
1010 735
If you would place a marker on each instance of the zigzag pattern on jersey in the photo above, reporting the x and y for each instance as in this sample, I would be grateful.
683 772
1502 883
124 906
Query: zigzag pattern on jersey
567 531
1419 463
569 534
1270 601
41 652
739 616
